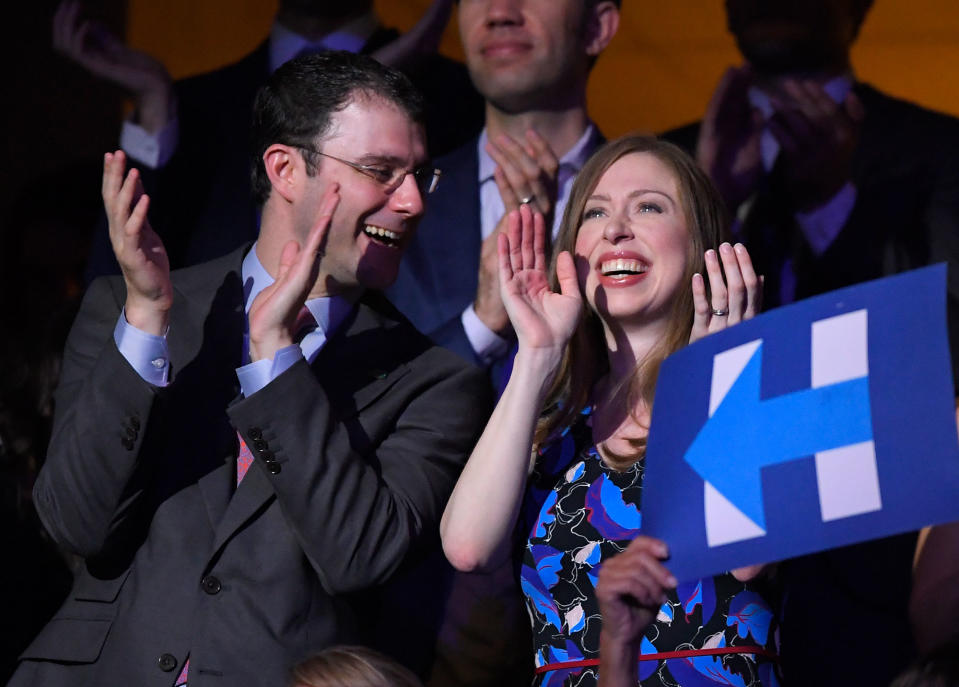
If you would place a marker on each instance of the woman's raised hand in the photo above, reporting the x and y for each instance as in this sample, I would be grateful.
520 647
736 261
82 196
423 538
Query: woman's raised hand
734 299
540 317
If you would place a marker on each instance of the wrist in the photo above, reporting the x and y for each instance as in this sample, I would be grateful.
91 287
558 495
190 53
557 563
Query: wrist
494 318
619 659
155 106
147 317
265 348
537 367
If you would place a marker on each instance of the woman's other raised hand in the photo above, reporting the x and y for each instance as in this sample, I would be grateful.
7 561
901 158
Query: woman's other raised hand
736 298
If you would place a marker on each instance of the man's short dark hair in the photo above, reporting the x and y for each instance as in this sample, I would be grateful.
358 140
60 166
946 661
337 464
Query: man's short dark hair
297 103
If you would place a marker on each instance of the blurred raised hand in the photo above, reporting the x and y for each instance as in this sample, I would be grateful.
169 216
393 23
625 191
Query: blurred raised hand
421 40
91 45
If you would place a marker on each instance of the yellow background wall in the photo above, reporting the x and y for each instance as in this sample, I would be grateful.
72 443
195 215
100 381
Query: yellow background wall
659 71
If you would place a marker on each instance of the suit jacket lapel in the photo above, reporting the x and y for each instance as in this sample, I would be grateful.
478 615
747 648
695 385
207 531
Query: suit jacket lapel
206 346
356 366
254 492
359 364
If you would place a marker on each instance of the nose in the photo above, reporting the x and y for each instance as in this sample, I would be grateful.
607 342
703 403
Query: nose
407 199
504 12
617 229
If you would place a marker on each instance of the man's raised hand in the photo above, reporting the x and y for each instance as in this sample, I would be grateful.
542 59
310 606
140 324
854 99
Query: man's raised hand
728 144
525 171
139 251
274 311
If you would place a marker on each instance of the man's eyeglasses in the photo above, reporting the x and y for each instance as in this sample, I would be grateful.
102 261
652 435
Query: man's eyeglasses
390 177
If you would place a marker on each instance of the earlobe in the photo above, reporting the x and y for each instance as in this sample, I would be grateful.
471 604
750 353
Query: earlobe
603 27
280 166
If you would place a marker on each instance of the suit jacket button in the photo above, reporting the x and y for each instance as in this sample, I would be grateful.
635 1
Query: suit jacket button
131 433
166 662
127 443
273 467
255 433
211 585
260 445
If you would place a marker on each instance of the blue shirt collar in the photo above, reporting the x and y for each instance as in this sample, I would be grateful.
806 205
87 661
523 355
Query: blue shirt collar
328 311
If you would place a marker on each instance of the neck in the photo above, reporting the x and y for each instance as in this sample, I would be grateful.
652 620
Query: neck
627 345
314 26
275 233
561 128
612 421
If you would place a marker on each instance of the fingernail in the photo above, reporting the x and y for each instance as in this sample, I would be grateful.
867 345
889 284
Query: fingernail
740 248
725 248
710 254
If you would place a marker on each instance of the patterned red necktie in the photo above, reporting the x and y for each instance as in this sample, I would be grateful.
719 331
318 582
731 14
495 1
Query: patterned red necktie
305 323
244 460
181 680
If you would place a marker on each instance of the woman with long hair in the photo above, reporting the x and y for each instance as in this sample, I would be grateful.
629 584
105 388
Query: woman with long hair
560 464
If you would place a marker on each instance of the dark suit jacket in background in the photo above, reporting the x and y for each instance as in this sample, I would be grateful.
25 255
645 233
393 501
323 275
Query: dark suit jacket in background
845 617
439 273
201 201
139 481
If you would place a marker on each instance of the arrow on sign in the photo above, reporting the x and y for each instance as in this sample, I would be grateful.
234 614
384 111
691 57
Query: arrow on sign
745 434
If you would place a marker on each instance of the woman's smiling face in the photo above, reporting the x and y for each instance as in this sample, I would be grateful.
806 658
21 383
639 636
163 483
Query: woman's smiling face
633 244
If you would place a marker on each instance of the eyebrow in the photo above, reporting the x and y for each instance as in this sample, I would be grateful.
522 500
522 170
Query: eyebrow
634 194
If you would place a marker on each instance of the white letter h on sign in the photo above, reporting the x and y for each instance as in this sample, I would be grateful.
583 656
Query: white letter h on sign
847 477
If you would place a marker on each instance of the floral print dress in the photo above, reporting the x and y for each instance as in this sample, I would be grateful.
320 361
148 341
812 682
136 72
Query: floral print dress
579 512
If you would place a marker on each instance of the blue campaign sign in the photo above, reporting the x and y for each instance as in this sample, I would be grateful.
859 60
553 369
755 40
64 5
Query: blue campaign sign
819 424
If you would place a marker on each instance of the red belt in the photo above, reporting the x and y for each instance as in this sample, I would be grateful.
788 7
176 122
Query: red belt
684 653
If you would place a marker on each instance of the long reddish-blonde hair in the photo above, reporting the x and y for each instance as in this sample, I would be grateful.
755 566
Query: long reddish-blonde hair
585 360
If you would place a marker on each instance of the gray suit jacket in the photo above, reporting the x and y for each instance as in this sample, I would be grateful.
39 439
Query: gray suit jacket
365 446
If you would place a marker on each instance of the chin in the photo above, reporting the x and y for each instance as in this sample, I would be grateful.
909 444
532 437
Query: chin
775 57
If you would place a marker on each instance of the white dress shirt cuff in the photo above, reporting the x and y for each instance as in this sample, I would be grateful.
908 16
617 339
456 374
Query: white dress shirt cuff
255 376
146 353
487 344
822 225
150 150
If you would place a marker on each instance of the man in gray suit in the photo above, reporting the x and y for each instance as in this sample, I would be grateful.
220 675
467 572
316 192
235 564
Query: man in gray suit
236 482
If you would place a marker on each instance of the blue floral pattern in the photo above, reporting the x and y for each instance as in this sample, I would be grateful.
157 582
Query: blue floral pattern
580 512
